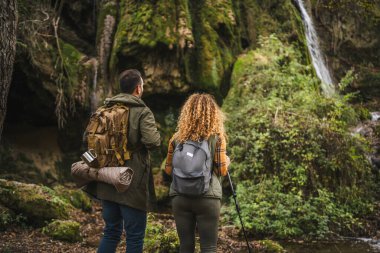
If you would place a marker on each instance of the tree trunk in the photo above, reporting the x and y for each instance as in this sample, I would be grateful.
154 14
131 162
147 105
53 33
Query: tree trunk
8 26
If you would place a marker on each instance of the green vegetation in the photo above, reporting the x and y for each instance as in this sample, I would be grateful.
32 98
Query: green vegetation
160 239
301 172
269 246
64 230
9 217
6 217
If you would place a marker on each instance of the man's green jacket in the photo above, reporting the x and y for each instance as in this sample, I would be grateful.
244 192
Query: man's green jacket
142 136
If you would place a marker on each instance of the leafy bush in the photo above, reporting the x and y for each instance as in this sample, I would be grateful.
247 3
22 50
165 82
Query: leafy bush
160 239
292 150
269 246
271 210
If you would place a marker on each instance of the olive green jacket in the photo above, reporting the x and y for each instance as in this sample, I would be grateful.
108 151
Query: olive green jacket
214 191
142 137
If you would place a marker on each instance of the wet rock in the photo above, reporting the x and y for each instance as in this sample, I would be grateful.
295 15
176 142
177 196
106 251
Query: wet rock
64 230
375 116
376 161
370 129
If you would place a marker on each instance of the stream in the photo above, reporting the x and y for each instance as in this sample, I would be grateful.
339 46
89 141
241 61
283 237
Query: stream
349 245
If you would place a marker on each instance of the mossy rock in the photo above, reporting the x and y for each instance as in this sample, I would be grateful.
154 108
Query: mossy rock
160 239
201 35
269 246
37 203
64 230
77 198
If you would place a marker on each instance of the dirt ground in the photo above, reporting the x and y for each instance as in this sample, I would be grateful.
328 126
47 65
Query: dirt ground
25 240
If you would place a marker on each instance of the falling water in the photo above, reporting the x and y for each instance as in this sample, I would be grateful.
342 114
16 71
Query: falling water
93 97
315 52
375 116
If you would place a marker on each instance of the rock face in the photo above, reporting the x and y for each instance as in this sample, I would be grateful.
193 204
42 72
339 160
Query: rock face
179 46
370 130
349 36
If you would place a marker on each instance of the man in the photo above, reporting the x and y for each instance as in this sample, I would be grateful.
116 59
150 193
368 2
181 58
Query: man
128 209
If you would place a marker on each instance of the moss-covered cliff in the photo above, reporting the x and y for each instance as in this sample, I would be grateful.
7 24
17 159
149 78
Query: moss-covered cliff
81 46
69 55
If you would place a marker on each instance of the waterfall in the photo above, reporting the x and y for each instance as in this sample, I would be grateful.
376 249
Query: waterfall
93 96
315 51
375 116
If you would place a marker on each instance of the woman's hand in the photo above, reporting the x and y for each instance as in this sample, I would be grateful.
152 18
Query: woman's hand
228 161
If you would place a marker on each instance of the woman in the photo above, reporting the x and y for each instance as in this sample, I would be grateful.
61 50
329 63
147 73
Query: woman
200 119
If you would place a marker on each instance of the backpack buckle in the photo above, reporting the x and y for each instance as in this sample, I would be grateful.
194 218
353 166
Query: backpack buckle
109 151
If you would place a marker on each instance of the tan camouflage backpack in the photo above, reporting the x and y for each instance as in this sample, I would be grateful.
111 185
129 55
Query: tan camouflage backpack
107 133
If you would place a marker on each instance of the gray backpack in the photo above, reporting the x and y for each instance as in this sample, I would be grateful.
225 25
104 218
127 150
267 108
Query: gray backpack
192 167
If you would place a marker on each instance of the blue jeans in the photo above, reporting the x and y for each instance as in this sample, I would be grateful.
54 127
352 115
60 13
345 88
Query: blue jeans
134 224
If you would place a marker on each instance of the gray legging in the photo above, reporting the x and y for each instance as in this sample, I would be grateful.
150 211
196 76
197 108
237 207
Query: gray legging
203 212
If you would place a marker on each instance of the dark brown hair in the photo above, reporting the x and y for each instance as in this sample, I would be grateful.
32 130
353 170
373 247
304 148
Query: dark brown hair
129 79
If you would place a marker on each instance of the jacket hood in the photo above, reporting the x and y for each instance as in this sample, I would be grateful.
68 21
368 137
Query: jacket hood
127 99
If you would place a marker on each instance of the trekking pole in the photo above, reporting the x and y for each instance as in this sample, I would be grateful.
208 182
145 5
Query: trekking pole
238 210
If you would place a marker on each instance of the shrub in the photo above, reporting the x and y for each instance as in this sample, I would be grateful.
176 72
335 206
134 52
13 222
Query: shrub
292 150
160 239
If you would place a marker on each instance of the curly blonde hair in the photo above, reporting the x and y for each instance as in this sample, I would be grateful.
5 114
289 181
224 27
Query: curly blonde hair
200 118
